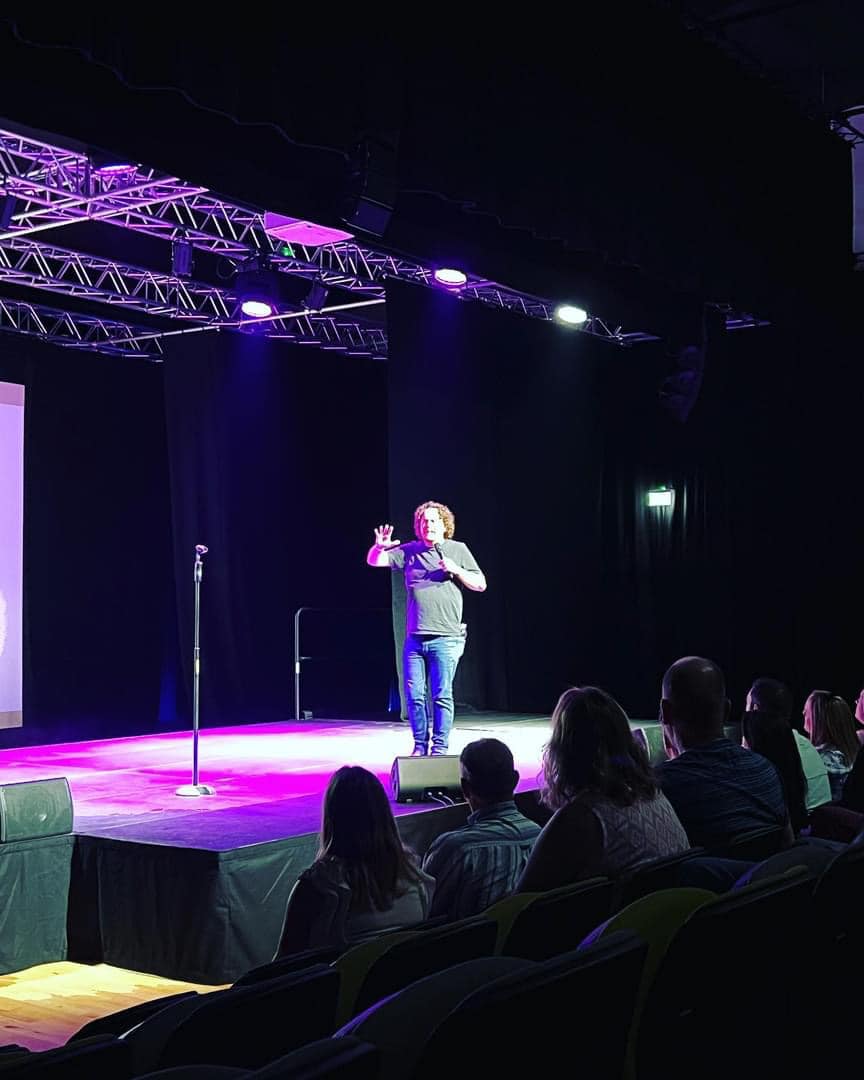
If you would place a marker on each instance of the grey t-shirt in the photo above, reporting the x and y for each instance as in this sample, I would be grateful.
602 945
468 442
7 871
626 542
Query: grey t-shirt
434 598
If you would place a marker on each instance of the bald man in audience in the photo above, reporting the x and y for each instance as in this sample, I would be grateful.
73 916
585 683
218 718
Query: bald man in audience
718 789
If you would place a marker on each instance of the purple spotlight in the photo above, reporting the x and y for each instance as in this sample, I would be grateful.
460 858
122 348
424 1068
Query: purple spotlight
452 278
256 309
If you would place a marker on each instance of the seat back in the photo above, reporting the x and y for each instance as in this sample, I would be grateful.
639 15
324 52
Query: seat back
656 919
346 1058
838 901
285 965
651 876
555 922
422 954
124 1019
95 1058
737 961
752 846
402 1024
250 1026
537 1007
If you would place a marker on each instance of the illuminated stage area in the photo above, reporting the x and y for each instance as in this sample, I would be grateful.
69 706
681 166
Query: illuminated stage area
269 778
197 888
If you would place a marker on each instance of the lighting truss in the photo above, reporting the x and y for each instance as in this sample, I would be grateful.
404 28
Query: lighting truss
40 265
56 186
77 331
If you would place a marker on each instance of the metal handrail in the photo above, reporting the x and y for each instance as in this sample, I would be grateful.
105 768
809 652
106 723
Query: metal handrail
299 658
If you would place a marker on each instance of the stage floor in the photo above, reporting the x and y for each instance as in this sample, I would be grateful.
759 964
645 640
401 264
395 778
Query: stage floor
269 778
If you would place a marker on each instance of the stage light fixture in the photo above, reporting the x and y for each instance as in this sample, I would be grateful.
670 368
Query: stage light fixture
7 209
661 497
107 165
182 254
450 277
257 288
298 231
317 297
571 315
114 168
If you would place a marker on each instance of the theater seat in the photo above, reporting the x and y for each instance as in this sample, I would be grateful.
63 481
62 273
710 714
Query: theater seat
371 971
539 925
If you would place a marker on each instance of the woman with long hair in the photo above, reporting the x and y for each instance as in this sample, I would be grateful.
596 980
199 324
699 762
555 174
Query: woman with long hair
609 813
829 724
771 735
363 878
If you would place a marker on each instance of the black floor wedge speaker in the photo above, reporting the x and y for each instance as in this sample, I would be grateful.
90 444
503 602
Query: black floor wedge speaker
425 779
35 808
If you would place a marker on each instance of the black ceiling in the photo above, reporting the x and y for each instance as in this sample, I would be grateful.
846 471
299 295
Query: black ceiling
644 152
811 49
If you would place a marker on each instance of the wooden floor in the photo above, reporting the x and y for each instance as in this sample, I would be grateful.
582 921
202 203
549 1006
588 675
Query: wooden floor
42 1006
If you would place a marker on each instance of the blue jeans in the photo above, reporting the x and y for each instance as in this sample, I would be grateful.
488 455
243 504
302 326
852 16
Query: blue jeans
435 657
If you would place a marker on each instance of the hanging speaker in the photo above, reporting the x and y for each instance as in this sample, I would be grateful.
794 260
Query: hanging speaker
35 808
426 779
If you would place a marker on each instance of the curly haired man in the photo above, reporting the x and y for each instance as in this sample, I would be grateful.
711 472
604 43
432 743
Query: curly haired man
436 568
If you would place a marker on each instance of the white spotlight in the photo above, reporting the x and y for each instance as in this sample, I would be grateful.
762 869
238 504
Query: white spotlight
571 315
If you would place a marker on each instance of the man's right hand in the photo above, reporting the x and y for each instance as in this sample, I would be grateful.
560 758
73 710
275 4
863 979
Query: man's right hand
384 537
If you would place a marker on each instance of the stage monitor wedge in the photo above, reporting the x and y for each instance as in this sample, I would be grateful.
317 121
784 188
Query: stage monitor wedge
35 808
426 779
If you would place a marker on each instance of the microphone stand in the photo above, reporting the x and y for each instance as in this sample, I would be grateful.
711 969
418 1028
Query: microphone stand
195 788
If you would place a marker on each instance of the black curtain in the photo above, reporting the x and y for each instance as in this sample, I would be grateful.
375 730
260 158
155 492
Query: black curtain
278 465
545 442
98 577
273 456
500 418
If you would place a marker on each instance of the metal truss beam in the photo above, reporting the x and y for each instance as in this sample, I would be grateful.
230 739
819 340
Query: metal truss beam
40 265
54 186
77 331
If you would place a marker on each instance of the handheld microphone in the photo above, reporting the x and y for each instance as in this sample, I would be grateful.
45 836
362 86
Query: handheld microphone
200 549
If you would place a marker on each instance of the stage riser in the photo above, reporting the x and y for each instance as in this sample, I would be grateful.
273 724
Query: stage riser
202 916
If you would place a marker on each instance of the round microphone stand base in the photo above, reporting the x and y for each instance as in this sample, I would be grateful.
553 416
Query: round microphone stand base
194 790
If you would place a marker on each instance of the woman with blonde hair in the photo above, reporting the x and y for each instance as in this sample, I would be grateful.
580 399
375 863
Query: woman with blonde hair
610 814
829 724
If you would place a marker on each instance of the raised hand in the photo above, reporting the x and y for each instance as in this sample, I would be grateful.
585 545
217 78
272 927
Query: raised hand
384 537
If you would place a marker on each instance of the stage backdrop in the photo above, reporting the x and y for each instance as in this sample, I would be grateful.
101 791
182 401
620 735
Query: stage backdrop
544 442
11 551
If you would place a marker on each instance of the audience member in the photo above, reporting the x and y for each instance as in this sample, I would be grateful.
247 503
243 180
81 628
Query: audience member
773 697
363 878
771 736
828 721
718 788
859 717
610 814
480 863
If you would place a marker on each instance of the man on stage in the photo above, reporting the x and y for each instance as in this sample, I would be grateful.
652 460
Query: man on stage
435 566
